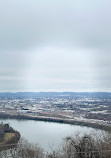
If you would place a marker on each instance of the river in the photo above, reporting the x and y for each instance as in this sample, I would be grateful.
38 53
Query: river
47 135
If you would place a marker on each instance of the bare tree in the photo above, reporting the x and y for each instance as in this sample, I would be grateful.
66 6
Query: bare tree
23 150
86 146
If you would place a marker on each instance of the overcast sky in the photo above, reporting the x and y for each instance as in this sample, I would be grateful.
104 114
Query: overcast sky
55 45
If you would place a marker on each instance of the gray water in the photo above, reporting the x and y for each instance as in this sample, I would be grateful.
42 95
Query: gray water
47 135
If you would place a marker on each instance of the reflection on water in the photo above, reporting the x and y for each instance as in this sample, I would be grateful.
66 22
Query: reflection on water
44 133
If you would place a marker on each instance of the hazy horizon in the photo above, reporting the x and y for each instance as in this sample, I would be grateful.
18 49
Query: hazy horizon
16 91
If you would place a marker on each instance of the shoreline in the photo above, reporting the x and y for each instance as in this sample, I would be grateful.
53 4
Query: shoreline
9 137
56 120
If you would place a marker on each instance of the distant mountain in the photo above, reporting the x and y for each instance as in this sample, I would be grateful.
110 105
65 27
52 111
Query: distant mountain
57 94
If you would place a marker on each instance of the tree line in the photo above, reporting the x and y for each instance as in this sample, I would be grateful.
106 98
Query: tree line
86 146
106 127
8 136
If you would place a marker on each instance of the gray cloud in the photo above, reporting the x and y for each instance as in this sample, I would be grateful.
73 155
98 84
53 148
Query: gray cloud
74 23
55 45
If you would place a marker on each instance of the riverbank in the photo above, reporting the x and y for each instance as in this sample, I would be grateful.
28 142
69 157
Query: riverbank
8 136
57 120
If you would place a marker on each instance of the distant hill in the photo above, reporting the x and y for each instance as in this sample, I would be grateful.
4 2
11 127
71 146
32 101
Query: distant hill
57 94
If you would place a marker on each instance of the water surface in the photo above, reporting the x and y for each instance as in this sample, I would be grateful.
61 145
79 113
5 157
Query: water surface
46 134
